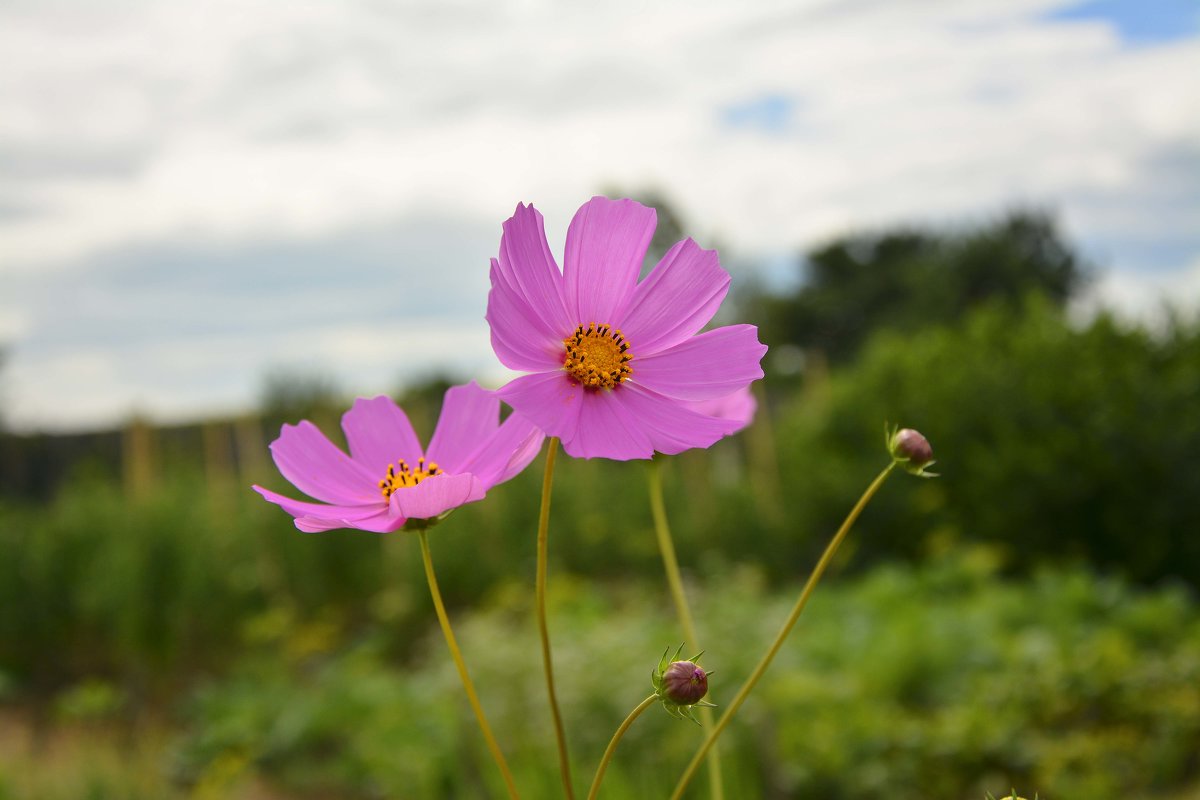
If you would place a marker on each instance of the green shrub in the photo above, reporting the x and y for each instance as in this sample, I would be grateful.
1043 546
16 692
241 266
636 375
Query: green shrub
1052 441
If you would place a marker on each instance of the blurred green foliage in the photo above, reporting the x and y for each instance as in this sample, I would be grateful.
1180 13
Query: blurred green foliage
939 681
1053 441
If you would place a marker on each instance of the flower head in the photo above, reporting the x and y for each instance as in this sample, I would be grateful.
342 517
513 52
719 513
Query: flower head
680 685
388 480
616 363
911 450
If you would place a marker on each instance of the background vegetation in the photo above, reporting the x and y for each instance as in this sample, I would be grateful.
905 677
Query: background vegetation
1027 619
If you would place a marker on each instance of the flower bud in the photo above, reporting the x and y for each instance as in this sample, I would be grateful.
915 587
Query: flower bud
913 446
680 684
911 450
684 683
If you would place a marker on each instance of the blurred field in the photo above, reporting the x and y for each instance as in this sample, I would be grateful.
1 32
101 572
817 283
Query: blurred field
942 680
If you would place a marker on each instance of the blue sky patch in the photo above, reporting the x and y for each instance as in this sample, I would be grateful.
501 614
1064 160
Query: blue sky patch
1140 21
770 113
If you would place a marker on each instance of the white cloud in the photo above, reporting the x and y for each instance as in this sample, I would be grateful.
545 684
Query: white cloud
249 118
229 122
90 386
1139 297
13 324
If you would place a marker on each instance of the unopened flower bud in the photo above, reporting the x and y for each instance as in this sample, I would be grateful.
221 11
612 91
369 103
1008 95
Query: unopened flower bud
912 445
680 684
911 450
684 683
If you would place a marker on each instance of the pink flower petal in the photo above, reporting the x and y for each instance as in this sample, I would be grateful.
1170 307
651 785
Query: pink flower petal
470 415
606 243
671 426
379 434
608 429
508 451
712 364
314 517
675 300
738 407
550 400
520 337
529 270
300 508
383 522
436 495
320 470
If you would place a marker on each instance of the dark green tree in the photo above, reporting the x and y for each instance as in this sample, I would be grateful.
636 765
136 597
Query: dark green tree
906 279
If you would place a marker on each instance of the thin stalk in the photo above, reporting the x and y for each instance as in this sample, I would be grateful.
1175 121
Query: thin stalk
667 548
750 683
564 761
612 745
448 632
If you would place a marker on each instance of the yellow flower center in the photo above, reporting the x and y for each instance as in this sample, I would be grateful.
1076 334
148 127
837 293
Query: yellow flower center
403 477
597 357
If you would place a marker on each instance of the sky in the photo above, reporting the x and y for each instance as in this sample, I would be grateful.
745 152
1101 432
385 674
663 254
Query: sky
195 195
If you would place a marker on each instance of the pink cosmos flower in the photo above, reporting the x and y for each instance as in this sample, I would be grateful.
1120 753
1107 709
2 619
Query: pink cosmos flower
388 479
615 362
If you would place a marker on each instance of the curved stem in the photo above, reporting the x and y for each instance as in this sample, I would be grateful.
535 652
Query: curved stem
612 745
817 572
564 761
462 668
667 548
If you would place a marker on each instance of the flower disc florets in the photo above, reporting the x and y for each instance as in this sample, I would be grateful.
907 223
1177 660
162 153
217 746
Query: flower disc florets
680 685
597 357
403 477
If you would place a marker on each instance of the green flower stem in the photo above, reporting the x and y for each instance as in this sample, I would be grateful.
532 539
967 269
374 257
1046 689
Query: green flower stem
564 761
612 745
462 667
667 547
750 683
